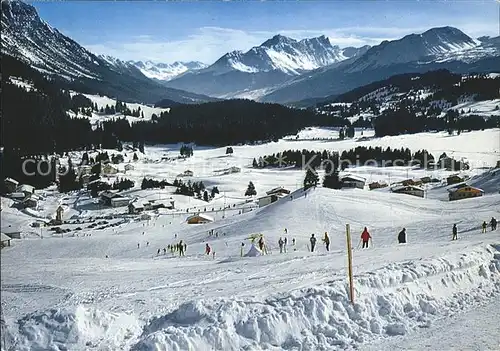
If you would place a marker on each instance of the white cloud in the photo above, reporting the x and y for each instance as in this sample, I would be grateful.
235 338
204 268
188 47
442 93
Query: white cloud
207 44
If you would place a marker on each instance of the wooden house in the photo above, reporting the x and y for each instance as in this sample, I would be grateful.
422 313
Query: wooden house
280 191
108 198
199 218
409 190
377 185
266 200
353 181
454 179
10 184
464 192
5 240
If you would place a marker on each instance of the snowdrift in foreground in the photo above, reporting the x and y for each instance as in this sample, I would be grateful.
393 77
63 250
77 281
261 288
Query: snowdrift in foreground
389 301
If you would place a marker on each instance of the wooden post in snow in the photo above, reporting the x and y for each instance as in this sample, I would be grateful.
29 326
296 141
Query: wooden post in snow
349 259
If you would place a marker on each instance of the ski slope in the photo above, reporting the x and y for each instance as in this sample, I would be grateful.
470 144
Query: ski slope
108 289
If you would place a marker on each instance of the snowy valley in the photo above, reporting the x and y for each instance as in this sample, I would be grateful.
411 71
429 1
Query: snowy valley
151 206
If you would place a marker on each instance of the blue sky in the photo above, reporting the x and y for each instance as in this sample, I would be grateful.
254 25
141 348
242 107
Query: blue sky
205 30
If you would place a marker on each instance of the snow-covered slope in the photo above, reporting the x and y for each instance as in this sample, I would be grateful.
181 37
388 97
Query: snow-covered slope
166 71
108 289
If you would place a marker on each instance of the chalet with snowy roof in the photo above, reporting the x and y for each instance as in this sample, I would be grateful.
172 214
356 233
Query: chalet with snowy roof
11 230
409 190
129 167
464 192
454 179
353 181
135 207
199 218
108 198
26 189
109 169
377 185
5 240
280 191
266 200
10 184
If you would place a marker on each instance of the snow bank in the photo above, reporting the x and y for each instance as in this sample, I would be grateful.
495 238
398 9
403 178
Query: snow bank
390 301
76 329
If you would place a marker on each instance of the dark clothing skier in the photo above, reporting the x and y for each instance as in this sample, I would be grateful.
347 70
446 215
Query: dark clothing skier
455 231
402 236
261 244
280 244
493 223
326 240
207 249
484 227
365 237
313 242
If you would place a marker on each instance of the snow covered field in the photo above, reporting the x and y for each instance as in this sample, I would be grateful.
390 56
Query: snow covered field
62 292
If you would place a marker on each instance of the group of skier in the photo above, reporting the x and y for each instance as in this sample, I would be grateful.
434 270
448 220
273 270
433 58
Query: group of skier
493 225
180 247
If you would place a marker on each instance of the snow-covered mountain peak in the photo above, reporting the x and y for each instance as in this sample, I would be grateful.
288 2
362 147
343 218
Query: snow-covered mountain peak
281 53
166 71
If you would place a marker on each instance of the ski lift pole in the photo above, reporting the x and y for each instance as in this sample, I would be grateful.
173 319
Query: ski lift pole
349 259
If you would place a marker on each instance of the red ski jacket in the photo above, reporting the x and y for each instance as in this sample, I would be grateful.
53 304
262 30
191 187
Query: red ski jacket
365 235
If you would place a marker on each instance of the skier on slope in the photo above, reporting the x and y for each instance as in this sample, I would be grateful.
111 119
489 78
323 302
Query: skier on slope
365 237
181 248
207 249
285 242
326 240
280 244
312 240
261 243
484 227
493 223
402 236
455 231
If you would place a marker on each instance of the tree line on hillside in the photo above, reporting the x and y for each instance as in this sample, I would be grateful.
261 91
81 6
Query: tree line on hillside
220 123
361 155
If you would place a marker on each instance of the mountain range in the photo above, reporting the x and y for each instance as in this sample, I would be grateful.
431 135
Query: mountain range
281 69
274 62
26 37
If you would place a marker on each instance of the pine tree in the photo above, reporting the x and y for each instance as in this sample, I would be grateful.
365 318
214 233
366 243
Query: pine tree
205 196
250 190
331 179
254 163
311 179
135 158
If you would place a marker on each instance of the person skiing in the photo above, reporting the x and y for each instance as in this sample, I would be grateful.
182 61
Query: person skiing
286 231
484 227
365 237
493 223
181 248
285 242
326 240
454 230
280 244
313 242
185 247
293 241
138 245
164 251
158 252
261 243
207 249
402 236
